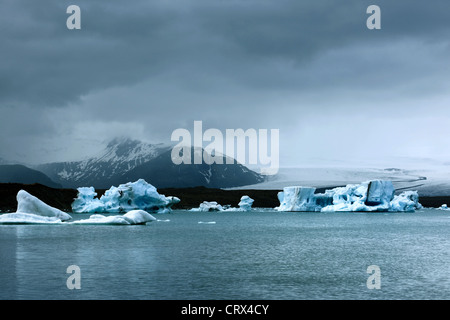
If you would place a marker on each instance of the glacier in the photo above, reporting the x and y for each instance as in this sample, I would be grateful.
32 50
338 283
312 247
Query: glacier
372 195
139 195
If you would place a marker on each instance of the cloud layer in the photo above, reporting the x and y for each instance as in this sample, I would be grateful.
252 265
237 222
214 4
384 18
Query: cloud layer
312 69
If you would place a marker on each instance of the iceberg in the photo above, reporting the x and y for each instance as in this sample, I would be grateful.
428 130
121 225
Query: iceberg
444 207
138 195
31 210
132 217
27 218
246 203
406 201
206 206
27 203
374 195
297 198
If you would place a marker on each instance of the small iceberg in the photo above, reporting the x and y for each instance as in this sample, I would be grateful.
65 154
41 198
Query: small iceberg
444 207
206 222
27 218
245 204
134 217
207 206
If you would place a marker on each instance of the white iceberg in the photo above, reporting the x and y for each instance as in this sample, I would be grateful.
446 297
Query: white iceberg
130 218
138 195
27 218
406 201
444 207
375 195
246 203
206 206
27 203
31 210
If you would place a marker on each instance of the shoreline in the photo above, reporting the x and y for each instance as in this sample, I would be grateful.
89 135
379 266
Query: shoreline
190 197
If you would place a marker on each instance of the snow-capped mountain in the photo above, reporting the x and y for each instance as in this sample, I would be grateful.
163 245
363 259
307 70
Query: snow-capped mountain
163 173
119 156
125 160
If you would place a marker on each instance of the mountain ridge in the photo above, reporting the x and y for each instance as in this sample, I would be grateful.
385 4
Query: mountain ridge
124 160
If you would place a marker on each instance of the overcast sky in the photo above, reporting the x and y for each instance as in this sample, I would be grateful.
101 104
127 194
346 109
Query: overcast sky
337 91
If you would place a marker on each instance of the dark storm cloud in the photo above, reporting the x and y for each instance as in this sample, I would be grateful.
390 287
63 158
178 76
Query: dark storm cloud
159 65
122 42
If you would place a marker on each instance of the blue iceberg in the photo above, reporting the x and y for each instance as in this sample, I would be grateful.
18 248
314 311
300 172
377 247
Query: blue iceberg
374 195
138 195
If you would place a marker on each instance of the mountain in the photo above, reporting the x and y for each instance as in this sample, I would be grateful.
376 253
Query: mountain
20 174
119 156
125 160
3 161
163 173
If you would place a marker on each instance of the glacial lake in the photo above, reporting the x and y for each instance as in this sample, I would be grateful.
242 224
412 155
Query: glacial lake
254 255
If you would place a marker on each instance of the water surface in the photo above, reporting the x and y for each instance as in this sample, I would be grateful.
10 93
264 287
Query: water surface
233 255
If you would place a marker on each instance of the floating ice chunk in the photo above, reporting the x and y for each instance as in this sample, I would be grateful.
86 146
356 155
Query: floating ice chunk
444 207
101 219
129 196
207 222
246 203
26 203
138 217
297 198
130 218
87 201
406 201
380 193
209 206
27 218
375 195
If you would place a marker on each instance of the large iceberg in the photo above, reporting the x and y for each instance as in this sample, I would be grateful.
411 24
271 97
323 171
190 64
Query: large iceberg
138 195
375 195
27 203
31 210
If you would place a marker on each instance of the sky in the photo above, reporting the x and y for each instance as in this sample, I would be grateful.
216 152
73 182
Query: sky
338 92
